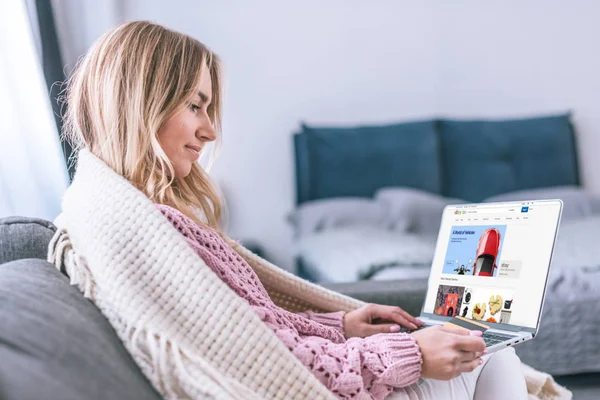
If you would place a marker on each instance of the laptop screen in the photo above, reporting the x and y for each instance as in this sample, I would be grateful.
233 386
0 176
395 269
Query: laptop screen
492 260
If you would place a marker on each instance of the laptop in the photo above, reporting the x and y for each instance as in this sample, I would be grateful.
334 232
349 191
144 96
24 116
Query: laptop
491 266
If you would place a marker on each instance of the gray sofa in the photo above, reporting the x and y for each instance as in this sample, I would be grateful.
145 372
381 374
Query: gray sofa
55 344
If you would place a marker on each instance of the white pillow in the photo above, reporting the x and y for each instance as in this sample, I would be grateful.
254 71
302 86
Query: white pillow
320 215
345 254
578 203
412 210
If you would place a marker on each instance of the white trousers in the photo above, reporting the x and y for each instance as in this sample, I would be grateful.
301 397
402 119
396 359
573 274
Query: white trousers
500 377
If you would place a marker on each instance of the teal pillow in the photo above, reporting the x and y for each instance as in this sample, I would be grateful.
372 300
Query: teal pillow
356 161
485 158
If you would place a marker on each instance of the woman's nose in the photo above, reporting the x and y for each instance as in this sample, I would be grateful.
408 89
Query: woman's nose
207 132
208 135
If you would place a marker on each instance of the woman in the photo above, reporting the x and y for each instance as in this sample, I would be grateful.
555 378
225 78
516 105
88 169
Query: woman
146 101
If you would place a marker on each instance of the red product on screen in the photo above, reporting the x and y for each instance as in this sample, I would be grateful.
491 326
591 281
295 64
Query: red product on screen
450 305
487 252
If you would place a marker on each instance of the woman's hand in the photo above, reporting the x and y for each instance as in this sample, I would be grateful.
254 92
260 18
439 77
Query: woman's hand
448 352
361 322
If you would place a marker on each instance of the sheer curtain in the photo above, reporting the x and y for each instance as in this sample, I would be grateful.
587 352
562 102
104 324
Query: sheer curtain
33 173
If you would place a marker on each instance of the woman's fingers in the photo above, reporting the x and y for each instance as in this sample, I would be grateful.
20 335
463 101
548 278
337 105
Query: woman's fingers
457 330
395 314
470 344
407 316
466 356
403 321
383 328
469 366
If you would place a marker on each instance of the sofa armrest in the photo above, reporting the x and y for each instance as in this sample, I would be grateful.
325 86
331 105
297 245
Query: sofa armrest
408 294
23 237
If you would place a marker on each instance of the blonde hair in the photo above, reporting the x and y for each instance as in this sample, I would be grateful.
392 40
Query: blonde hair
130 82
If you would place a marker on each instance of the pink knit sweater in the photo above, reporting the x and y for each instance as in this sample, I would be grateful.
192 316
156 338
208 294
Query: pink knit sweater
359 368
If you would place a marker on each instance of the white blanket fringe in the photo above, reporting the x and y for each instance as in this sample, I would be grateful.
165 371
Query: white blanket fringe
160 356
65 259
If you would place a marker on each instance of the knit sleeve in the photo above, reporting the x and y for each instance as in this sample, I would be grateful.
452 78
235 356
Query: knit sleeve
374 365
333 319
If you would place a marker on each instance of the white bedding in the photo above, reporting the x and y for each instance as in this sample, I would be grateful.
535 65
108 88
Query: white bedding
346 254
575 271
401 273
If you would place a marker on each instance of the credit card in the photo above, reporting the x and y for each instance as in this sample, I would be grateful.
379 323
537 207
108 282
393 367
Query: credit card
467 323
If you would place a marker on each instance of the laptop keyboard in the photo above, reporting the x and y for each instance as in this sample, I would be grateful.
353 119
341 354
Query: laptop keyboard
492 338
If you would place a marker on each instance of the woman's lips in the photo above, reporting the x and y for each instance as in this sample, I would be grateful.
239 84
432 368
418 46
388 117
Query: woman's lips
194 150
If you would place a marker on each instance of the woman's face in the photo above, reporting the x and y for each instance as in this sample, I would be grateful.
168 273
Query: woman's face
183 136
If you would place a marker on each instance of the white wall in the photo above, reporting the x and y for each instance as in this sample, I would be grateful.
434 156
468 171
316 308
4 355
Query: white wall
516 58
350 61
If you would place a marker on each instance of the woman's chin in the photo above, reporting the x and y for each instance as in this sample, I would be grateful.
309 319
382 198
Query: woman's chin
183 170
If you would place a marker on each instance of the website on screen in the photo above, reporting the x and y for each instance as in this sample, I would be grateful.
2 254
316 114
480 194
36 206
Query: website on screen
491 262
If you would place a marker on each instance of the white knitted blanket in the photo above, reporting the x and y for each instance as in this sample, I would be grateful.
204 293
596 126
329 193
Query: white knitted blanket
190 334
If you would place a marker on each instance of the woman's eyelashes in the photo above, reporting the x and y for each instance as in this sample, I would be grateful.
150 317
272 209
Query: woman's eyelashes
194 107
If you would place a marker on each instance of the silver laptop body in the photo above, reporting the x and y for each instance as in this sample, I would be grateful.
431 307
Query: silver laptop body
486 253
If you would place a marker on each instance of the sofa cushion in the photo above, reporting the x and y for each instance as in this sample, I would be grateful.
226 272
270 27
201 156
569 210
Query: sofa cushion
55 344
22 237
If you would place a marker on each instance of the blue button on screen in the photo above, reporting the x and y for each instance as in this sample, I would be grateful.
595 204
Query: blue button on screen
524 209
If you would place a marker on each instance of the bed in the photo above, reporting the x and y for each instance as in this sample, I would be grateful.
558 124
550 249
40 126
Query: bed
369 198
369 201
